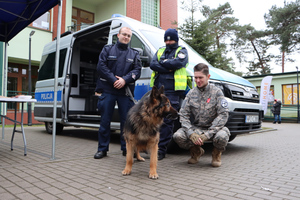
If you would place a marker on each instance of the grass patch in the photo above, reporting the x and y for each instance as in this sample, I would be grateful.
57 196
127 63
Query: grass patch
266 128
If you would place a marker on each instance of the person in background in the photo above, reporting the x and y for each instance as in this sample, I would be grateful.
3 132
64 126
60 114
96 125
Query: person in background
168 65
276 111
118 68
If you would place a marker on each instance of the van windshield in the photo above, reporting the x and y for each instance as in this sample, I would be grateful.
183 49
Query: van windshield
156 38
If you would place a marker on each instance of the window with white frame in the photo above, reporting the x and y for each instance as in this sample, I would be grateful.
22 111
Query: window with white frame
43 22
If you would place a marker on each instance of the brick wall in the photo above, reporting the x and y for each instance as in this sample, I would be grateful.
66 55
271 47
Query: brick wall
168 13
133 9
11 115
55 21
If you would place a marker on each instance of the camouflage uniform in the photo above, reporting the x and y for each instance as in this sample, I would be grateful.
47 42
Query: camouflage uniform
204 111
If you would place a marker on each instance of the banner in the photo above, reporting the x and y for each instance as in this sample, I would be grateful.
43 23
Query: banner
264 92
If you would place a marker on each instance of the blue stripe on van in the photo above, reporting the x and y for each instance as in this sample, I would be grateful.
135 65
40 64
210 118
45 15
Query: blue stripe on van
140 90
47 96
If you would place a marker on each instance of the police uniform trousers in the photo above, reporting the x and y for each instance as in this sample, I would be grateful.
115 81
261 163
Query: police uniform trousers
106 106
166 130
220 139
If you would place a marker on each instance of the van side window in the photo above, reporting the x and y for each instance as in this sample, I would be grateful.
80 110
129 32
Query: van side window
134 43
47 66
114 39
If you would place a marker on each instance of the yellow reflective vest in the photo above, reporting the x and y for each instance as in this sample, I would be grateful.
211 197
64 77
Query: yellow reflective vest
180 75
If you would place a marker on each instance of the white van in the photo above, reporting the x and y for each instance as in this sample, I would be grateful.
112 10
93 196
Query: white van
79 52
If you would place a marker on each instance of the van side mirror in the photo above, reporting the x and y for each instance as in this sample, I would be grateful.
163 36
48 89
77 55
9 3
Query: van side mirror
145 59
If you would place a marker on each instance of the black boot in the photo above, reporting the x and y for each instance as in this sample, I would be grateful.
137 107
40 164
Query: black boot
100 154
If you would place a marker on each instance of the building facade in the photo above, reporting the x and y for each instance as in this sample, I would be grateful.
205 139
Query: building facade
283 87
76 15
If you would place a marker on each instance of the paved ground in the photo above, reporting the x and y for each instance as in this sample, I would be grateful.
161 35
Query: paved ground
262 165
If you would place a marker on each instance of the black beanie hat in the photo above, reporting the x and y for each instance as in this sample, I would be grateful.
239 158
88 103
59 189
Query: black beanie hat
171 34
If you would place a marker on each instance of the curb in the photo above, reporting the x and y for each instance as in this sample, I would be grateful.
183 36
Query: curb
259 131
264 130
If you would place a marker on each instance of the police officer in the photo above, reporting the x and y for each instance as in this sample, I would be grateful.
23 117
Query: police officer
119 67
168 65
203 116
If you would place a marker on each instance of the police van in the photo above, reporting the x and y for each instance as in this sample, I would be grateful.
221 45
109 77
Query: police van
77 75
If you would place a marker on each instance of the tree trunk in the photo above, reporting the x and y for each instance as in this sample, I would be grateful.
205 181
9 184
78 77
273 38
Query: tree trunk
259 58
282 63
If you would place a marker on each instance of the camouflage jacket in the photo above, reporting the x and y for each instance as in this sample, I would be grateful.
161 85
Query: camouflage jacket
204 109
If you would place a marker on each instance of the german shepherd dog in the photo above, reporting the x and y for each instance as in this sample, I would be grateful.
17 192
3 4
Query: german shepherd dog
141 129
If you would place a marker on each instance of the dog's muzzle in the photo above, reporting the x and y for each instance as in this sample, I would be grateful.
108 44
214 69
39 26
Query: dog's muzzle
172 116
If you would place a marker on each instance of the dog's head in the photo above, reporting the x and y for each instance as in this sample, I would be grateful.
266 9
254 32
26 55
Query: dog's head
161 104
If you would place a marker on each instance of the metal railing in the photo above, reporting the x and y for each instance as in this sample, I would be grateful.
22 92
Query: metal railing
288 113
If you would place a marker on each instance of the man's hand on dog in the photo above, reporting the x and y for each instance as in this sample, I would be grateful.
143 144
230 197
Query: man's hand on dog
120 83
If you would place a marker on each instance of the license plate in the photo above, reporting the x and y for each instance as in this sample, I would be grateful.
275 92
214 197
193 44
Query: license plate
251 119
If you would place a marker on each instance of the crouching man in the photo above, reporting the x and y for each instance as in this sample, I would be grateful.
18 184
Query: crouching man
203 116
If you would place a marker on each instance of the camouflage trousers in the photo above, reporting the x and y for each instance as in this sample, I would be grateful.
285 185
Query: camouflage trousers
220 139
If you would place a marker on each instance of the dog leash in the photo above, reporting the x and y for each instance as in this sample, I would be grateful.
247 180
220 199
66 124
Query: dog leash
128 93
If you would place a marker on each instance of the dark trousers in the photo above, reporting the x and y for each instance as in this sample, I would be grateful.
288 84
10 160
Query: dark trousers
106 106
277 118
166 130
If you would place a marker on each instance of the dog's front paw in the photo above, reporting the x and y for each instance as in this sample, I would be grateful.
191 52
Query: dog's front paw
153 176
126 172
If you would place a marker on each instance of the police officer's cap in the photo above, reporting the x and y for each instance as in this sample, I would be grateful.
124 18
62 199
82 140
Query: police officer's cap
171 34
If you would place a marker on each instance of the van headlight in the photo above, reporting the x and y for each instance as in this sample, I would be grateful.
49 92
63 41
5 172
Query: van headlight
238 92
219 85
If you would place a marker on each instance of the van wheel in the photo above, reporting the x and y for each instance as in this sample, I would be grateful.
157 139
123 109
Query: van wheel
49 127
231 138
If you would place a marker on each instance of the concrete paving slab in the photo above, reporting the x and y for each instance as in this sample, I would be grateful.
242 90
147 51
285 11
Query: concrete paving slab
252 162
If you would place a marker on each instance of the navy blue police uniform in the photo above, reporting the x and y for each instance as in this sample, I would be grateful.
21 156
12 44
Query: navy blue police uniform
165 68
115 60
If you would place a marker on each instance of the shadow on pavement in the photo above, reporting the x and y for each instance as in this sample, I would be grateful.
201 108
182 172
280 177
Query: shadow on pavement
92 134
89 134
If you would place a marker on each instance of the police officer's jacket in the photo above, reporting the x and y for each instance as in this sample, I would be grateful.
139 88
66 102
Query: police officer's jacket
117 60
204 108
166 66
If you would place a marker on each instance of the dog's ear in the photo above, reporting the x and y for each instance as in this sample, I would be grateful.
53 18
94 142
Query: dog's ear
162 90
154 93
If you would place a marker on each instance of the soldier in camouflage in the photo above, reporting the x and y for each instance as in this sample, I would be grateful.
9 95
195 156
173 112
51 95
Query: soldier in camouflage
203 116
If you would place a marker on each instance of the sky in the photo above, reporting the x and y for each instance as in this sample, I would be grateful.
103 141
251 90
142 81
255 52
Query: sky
249 12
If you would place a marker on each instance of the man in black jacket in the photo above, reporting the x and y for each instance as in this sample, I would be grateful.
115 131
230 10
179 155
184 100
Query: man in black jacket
168 65
119 67
276 111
